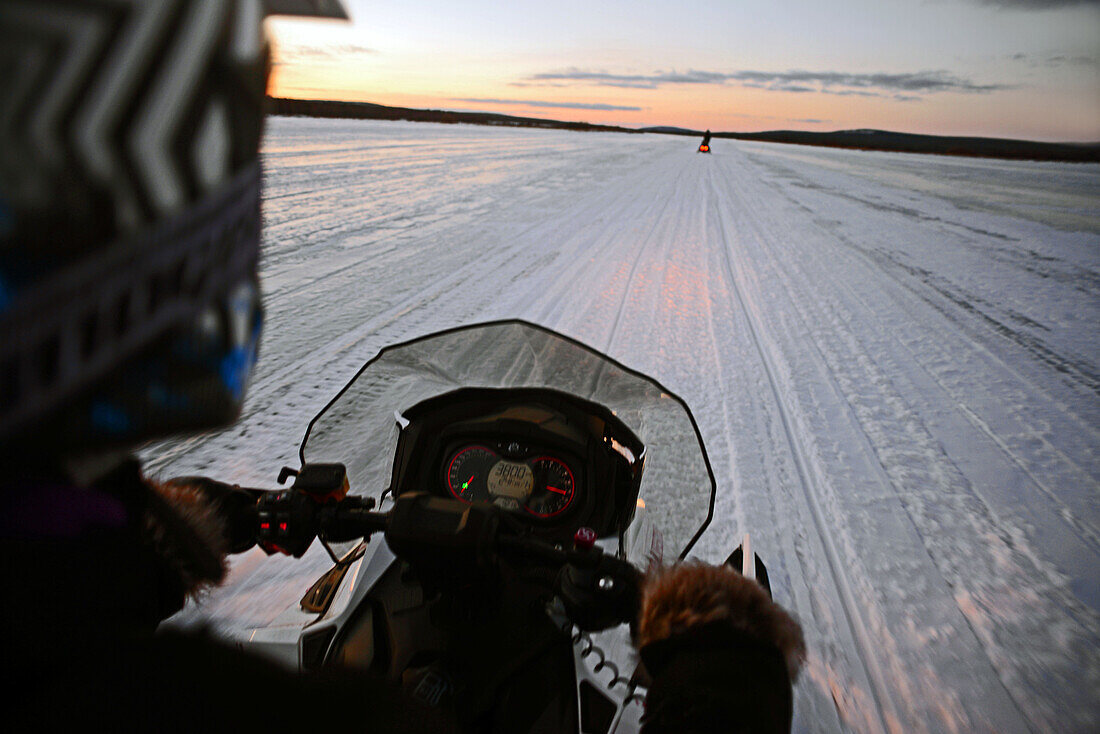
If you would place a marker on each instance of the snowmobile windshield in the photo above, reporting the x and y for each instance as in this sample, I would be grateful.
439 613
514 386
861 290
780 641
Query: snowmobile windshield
359 427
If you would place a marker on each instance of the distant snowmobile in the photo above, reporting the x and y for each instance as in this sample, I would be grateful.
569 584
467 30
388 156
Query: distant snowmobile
704 147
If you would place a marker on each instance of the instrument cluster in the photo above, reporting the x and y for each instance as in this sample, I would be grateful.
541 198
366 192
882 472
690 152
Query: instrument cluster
524 479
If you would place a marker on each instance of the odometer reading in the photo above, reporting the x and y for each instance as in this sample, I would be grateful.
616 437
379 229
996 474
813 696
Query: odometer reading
511 479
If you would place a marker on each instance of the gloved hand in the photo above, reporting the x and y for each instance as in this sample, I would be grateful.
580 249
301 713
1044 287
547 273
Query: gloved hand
721 654
601 594
235 506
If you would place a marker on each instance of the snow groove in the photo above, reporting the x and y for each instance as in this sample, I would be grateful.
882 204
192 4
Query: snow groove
874 472
946 501
885 708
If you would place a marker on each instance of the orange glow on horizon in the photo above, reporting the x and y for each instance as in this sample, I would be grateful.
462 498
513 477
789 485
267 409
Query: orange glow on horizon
312 63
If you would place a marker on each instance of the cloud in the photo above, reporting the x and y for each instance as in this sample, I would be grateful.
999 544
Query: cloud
909 85
1055 61
1038 4
629 81
834 82
285 54
542 103
1063 60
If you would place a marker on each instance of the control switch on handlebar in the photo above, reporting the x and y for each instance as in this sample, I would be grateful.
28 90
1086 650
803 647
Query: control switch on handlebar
287 523
599 591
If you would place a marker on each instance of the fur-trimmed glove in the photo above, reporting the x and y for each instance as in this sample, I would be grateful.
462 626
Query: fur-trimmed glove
721 655
235 507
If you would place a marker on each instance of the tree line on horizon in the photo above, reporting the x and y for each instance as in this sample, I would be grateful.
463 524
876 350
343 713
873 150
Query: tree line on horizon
880 140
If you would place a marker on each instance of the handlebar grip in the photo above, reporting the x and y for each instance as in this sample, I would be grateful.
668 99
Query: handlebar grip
351 519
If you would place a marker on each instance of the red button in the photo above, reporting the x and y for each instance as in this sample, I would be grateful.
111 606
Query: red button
584 539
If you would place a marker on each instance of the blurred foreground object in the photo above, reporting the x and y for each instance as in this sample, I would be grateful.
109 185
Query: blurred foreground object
129 216
720 652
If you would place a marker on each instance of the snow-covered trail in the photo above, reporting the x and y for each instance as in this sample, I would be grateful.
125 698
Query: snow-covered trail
894 360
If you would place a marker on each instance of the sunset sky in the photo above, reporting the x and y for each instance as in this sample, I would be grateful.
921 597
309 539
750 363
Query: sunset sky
1003 68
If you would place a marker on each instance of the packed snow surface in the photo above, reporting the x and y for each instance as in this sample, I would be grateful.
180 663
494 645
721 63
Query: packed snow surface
894 361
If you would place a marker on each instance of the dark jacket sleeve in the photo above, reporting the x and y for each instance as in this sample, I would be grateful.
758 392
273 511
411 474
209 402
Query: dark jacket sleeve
87 575
713 679
720 654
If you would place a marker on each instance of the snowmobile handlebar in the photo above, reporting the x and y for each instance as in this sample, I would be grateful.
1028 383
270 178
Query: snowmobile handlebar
287 521
449 537
422 528
453 538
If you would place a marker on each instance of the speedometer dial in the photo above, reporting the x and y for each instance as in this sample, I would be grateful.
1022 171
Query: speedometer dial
554 488
468 473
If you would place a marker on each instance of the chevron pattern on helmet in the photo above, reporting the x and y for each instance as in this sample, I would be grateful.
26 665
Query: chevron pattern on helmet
131 136
54 49
117 100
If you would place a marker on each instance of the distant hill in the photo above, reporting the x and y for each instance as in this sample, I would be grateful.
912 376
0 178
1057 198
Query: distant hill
942 145
856 139
670 130
368 111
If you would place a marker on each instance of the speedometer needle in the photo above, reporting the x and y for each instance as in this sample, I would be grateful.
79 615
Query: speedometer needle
555 489
466 484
